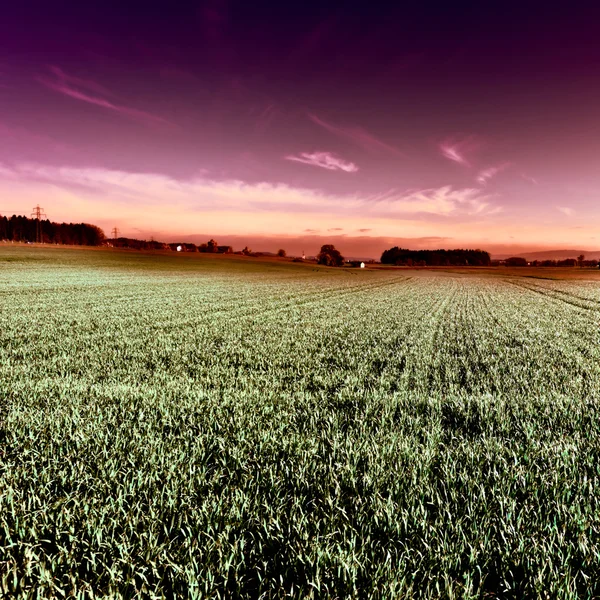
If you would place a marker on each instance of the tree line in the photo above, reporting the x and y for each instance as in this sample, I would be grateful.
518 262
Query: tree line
24 229
519 261
435 258
211 246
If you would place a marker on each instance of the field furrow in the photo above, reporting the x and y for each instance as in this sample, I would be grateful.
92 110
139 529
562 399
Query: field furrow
200 427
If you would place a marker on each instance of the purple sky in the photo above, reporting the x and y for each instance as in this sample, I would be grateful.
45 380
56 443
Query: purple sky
465 124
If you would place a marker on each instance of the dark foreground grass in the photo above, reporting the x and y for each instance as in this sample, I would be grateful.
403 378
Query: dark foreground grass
209 427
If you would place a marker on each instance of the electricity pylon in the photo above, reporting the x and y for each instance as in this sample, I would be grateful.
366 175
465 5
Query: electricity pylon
38 213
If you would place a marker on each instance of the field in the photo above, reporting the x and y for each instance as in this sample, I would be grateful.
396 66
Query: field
222 427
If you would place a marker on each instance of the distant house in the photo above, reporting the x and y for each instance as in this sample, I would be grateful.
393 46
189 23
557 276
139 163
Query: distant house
224 249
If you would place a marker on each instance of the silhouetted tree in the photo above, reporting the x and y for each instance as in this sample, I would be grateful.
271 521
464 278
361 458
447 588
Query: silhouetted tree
516 261
580 260
281 252
434 258
246 251
567 262
23 229
329 256
213 246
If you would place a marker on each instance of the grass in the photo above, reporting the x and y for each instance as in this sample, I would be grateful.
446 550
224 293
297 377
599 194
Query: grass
216 426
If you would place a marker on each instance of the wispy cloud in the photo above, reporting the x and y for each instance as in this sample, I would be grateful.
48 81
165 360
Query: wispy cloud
365 229
443 201
336 229
200 194
68 85
486 174
457 150
265 116
359 136
566 210
325 160
530 179
86 84
39 141
7 172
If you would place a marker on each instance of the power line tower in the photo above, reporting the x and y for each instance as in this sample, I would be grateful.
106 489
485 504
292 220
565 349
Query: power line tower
115 233
38 213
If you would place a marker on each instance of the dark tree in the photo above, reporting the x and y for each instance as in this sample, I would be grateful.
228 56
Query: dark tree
24 229
213 246
329 256
516 261
281 252
435 258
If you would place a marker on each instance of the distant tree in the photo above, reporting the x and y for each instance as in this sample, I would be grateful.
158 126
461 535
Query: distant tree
246 251
281 252
329 256
567 262
516 261
403 256
212 246
580 260
24 229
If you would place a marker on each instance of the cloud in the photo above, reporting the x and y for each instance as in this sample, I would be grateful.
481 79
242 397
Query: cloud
325 160
265 116
336 229
486 174
78 82
67 85
358 136
532 180
456 150
365 230
566 210
7 172
443 201
452 153
38 141
135 191
311 231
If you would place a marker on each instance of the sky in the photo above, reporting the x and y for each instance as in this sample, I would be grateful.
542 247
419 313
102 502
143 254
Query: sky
292 124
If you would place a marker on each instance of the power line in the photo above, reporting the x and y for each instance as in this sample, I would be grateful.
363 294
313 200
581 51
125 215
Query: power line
38 213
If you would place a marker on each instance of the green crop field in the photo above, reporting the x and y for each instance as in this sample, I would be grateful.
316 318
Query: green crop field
196 426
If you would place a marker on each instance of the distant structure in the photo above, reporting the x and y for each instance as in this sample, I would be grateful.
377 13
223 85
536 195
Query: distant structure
179 248
37 214
362 265
303 255
115 233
